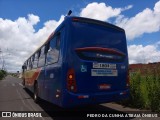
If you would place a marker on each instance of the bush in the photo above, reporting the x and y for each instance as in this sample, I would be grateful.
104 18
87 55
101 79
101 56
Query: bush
144 90
135 89
2 74
153 91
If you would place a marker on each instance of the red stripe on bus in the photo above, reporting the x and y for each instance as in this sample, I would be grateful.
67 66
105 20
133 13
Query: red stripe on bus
35 76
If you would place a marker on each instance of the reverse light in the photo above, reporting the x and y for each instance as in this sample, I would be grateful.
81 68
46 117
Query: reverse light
72 87
123 93
58 93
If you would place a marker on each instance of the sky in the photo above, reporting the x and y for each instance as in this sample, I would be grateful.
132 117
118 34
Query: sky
26 24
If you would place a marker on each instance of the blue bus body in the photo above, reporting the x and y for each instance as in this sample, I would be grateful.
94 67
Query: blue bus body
90 67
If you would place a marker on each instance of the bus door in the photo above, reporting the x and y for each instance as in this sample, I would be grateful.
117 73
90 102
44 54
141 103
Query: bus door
41 68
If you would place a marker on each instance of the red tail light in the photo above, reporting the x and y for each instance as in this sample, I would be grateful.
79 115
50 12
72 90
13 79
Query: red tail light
71 82
127 81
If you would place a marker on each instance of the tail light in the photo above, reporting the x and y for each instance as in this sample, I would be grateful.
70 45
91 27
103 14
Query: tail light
127 81
71 82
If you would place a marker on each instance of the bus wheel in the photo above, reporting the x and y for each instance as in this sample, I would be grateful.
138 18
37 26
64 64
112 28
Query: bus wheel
23 82
35 96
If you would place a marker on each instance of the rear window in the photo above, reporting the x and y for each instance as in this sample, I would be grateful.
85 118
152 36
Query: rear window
93 35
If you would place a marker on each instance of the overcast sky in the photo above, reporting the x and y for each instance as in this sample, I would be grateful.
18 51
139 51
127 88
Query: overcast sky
26 24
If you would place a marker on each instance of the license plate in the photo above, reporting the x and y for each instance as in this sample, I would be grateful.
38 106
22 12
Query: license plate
104 65
103 72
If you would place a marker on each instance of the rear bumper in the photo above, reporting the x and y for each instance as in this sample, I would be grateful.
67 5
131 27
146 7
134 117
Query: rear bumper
72 99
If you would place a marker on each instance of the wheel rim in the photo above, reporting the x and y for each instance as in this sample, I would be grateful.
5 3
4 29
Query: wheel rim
35 94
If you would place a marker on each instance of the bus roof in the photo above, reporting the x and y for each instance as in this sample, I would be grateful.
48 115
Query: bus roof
93 21
78 19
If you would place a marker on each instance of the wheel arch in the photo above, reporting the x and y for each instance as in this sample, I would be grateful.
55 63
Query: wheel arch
35 82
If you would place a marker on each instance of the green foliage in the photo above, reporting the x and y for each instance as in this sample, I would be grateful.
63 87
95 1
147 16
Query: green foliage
135 89
2 74
145 90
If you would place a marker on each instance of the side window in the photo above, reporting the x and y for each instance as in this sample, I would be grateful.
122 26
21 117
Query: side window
41 61
25 64
35 62
32 60
53 50
33 56
28 64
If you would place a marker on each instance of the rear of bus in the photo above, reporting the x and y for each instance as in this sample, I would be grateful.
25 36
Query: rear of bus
96 63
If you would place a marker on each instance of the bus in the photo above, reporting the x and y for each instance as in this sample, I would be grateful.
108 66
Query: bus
83 62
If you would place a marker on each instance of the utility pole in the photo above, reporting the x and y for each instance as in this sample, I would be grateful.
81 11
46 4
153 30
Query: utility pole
2 60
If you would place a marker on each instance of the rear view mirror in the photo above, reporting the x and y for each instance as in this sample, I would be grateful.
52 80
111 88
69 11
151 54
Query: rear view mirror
24 67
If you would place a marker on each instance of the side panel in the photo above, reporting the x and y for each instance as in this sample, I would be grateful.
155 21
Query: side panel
53 72
48 75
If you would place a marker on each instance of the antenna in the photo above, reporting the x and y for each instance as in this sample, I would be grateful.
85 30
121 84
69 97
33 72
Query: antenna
69 12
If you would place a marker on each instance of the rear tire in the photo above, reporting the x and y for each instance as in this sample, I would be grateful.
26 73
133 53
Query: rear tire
23 82
35 95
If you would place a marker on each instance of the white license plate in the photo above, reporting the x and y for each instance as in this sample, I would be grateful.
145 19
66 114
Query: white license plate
104 65
103 72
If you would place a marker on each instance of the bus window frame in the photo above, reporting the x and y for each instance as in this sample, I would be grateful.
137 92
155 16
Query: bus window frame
35 57
28 64
39 55
58 34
